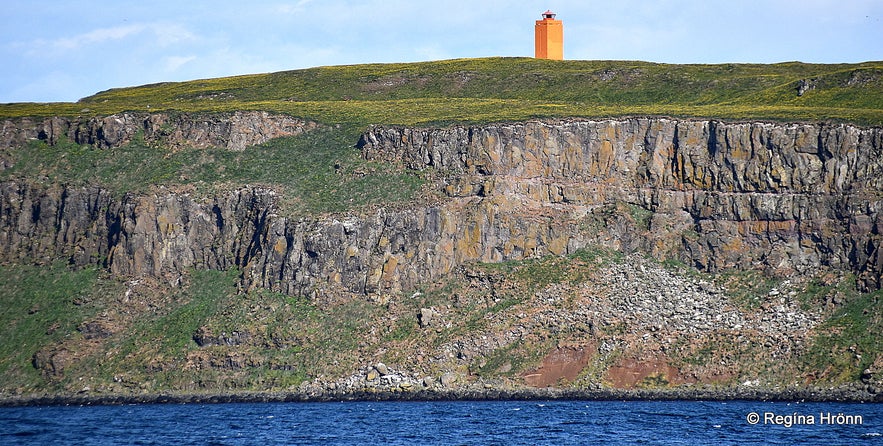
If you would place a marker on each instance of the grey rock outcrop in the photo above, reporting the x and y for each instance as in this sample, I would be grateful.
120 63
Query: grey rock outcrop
788 197
234 131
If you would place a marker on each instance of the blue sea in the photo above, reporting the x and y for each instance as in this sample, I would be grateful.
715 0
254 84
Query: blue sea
448 423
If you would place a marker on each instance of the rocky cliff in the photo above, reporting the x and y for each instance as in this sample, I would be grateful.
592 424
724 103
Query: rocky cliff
789 198
234 131
786 198
562 200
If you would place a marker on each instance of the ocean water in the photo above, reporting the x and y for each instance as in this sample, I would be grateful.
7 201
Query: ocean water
448 423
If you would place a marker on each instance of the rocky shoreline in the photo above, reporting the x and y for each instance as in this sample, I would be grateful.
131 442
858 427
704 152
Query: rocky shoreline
848 393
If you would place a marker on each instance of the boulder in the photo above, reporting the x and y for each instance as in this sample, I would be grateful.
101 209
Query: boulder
425 316
448 379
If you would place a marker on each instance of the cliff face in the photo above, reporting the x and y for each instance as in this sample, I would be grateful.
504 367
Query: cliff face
234 132
789 198
786 198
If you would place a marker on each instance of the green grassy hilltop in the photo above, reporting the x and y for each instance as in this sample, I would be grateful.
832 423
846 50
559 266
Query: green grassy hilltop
504 89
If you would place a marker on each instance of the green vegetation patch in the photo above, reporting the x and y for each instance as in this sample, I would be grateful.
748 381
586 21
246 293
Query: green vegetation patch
319 171
850 340
41 306
133 167
213 338
152 350
537 273
749 289
500 89
512 359
259 340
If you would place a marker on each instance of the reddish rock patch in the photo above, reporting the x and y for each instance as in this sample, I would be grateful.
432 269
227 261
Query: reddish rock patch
631 372
560 365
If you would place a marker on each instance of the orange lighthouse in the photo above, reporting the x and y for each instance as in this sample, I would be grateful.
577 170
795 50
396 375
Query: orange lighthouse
549 37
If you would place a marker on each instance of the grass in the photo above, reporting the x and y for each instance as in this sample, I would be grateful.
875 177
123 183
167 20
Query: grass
129 168
153 349
512 359
316 172
749 289
510 89
849 341
291 340
41 306
535 274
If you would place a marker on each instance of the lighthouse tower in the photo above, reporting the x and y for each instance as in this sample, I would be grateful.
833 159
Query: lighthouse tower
549 37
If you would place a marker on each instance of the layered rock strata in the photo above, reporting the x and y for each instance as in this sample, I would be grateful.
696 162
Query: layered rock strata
789 198
234 131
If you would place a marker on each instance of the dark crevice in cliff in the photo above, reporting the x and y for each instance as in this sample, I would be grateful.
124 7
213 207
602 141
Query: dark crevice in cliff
114 230
62 202
35 212
219 217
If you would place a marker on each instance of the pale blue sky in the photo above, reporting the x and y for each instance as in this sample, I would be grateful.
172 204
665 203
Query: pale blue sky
63 50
